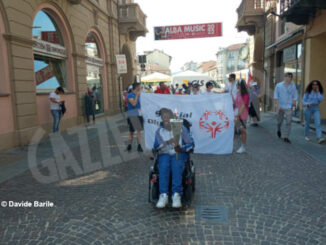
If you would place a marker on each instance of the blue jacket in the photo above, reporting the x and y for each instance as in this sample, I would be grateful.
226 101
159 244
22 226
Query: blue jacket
162 135
312 98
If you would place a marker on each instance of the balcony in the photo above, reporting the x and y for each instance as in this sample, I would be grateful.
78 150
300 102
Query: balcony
299 12
132 21
250 15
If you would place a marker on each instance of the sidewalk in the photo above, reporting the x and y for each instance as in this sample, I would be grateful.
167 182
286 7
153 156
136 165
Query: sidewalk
312 148
15 161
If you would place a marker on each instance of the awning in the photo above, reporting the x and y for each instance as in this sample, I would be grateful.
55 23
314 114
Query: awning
293 34
155 78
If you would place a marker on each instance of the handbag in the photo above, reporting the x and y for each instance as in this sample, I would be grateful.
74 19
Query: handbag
63 108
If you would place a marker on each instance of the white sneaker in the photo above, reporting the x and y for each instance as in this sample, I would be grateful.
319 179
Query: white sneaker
176 201
307 138
241 150
162 201
321 140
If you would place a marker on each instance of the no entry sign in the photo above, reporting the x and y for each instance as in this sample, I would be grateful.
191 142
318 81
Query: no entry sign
188 31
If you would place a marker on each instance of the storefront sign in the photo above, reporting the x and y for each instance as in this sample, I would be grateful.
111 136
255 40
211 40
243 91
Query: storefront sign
121 64
94 61
44 74
289 54
188 31
49 48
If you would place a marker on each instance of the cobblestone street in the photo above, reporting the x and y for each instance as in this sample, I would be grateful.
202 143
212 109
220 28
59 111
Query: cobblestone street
274 194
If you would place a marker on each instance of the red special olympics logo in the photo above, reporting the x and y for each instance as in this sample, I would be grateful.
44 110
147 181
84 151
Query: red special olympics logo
214 122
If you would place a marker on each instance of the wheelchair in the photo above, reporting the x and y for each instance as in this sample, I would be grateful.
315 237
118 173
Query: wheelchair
188 181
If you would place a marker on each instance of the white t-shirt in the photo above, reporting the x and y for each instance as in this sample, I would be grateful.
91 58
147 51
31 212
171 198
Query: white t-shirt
54 106
231 88
208 93
198 93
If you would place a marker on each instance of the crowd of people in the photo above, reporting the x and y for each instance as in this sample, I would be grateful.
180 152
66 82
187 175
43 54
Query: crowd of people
245 103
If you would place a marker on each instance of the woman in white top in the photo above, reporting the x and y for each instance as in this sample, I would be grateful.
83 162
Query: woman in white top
55 103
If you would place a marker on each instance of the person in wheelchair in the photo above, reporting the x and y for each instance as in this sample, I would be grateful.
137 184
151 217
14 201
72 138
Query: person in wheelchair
167 161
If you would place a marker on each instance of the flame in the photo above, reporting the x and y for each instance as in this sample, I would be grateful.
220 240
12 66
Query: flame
176 111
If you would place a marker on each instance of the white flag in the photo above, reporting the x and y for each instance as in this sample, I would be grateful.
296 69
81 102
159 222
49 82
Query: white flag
211 116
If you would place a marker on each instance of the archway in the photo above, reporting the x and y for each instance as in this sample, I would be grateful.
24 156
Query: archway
4 66
127 79
53 63
96 70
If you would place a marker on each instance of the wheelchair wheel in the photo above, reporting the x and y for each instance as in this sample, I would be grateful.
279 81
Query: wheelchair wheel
153 192
187 193
153 188
193 182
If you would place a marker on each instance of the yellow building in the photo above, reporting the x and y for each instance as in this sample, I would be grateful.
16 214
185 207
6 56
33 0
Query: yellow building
68 43
288 36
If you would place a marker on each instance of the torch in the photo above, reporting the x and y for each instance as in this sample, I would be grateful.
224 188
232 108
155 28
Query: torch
176 125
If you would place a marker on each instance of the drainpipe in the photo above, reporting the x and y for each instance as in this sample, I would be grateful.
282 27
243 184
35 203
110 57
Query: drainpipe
264 46
120 77
303 71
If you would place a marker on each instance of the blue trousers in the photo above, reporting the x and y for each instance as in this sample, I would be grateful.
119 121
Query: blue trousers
166 165
315 112
56 114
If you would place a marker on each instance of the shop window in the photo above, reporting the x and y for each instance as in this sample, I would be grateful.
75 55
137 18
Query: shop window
94 66
49 54
50 73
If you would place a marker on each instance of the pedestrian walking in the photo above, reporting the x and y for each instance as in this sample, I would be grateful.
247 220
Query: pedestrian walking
176 88
311 100
242 109
286 96
179 91
135 119
162 89
231 87
187 89
89 106
209 88
55 107
254 108
97 98
195 89
150 89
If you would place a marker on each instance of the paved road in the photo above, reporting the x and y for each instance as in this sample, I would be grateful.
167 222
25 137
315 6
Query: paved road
274 194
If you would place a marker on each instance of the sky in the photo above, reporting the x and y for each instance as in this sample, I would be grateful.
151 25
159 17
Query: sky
184 12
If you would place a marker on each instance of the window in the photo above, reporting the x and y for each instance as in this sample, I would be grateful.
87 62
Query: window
231 64
49 54
241 64
231 55
50 73
45 29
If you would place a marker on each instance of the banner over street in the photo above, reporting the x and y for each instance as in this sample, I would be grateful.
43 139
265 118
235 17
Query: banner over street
188 31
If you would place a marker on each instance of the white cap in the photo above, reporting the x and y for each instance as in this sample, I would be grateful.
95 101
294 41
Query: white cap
253 84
